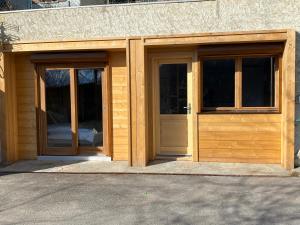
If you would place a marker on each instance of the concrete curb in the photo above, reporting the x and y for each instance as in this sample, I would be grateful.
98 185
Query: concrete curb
291 174
156 168
295 173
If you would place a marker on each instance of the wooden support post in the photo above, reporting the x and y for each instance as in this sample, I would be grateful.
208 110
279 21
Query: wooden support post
288 101
8 109
138 134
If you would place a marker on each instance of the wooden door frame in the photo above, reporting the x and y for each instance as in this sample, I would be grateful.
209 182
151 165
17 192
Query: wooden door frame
171 58
41 107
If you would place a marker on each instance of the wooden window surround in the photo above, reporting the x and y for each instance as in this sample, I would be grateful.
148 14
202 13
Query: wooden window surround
71 62
239 52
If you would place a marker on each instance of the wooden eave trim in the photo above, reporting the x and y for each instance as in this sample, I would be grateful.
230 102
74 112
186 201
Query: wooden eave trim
217 38
154 40
42 46
69 57
230 33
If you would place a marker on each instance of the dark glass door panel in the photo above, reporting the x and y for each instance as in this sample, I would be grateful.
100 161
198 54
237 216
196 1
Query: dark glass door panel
58 108
89 103
173 88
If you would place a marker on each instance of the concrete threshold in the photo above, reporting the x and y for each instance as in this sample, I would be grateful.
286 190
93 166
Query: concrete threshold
75 158
159 167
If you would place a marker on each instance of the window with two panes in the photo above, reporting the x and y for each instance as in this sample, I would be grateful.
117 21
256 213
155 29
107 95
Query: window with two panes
240 83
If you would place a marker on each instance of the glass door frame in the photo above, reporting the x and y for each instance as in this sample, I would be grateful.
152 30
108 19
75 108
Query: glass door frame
168 59
41 109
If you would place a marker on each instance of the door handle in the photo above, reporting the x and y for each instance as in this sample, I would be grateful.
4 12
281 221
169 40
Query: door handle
188 108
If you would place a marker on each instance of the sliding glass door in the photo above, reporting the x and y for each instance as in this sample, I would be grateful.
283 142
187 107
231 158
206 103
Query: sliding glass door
89 105
71 115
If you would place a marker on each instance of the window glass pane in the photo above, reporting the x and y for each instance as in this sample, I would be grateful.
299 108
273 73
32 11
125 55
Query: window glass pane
173 88
59 132
258 82
89 87
218 83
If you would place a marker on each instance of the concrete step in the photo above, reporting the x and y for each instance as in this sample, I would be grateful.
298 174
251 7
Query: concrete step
98 157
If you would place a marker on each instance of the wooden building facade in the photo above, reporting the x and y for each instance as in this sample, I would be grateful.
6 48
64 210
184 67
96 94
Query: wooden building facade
209 97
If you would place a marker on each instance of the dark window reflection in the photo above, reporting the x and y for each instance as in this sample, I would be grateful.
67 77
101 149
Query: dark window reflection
89 98
59 132
173 88
258 82
218 83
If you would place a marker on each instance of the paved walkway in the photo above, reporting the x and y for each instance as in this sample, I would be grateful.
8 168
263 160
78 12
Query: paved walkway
131 199
156 167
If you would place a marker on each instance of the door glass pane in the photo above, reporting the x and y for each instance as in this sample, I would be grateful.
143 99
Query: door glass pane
173 88
258 82
89 88
58 105
218 82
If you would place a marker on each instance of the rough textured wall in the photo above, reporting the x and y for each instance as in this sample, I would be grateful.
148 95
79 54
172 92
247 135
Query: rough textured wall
152 19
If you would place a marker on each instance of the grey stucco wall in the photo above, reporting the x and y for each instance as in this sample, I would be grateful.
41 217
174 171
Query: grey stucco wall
151 19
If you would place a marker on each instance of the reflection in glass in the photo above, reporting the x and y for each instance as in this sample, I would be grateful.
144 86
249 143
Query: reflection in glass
59 132
89 97
258 82
173 88
218 82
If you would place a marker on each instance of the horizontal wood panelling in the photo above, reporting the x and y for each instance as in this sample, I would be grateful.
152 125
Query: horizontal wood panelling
261 160
246 144
248 127
120 156
27 146
120 132
240 138
29 139
26 100
120 140
25 107
25 84
27 123
26 133
25 91
240 118
119 105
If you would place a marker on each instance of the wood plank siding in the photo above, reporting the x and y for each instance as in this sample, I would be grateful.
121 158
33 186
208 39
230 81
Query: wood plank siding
119 105
27 134
240 138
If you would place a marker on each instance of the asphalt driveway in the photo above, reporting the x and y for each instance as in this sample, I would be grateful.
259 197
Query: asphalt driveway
37 198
